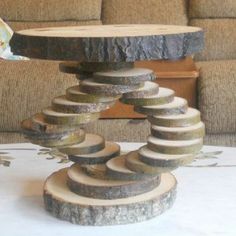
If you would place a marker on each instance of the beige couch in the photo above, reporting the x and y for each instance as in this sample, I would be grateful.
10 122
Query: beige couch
27 87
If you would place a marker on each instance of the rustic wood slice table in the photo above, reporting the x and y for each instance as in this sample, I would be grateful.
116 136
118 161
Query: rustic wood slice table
135 186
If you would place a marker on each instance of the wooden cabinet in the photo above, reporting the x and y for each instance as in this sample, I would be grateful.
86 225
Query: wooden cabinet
181 76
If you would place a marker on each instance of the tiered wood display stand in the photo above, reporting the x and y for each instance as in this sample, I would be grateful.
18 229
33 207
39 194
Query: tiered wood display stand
103 187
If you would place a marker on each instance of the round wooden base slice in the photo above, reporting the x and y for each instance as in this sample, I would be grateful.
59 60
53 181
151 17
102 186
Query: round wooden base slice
105 66
164 160
177 106
59 118
149 89
111 150
69 139
92 143
91 87
162 97
174 147
61 104
124 76
73 94
179 133
79 182
95 171
133 162
68 206
117 170
191 117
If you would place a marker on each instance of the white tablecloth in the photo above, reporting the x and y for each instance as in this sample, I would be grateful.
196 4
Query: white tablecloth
205 204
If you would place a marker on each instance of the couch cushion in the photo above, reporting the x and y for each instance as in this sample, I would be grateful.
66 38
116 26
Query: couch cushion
212 8
144 11
53 10
220 38
217 96
20 25
26 87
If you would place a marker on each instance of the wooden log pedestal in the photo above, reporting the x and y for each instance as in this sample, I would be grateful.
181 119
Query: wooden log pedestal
103 187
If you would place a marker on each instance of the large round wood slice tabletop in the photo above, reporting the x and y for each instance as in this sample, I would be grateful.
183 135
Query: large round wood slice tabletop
108 43
66 205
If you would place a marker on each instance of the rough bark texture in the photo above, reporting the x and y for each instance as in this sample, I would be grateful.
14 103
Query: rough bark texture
79 108
92 214
108 49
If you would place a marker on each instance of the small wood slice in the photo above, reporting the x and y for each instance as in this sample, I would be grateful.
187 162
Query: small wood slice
71 138
95 171
61 104
174 147
179 133
133 162
73 94
178 106
124 76
105 66
111 150
108 43
117 170
149 89
28 129
87 186
91 87
191 117
164 160
53 117
68 206
162 97
39 124
92 143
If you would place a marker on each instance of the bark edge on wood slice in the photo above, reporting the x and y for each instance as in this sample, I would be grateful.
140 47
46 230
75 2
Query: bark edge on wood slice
108 43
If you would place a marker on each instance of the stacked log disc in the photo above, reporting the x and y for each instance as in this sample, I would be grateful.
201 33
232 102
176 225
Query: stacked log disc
103 187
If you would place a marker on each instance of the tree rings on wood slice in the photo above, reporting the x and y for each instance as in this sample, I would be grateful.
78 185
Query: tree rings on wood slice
162 97
111 150
61 104
87 186
59 118
116 169
177 106
73 94
179 133
92 143
149 89
124 76
191 117
174 147
164 160
91 87
68 206
133 162
105 66
97 171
